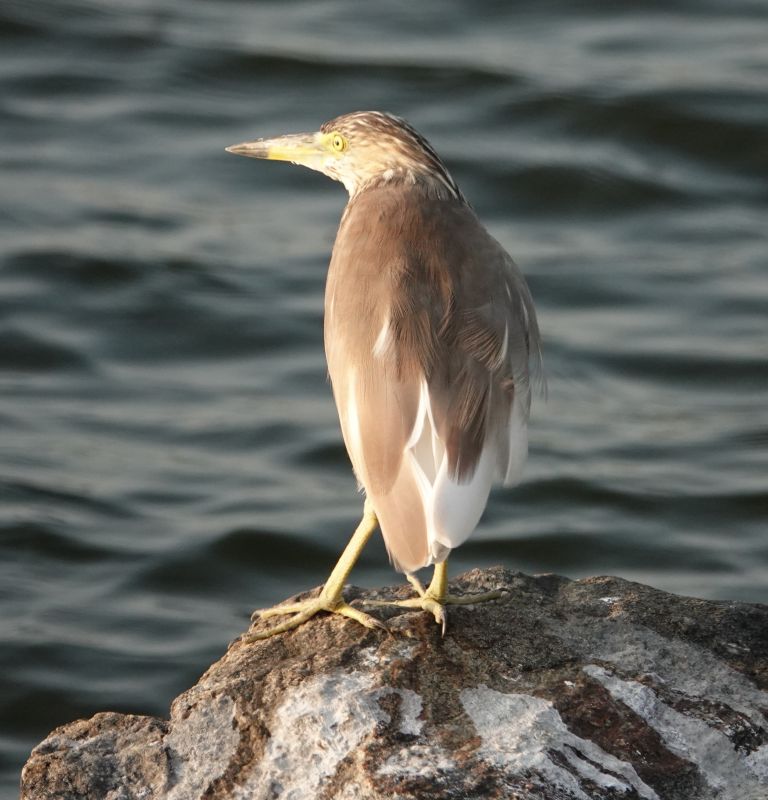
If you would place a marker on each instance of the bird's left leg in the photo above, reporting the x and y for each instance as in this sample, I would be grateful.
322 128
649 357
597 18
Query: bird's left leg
435 597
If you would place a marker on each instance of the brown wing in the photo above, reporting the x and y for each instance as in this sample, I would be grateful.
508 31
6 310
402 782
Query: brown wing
422 307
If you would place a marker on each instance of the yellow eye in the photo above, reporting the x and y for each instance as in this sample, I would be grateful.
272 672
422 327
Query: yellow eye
338 143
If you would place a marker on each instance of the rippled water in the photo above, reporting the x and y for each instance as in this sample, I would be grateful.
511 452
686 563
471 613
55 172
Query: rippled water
170 456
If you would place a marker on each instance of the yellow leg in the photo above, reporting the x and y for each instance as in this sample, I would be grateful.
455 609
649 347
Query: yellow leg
330 598
435 597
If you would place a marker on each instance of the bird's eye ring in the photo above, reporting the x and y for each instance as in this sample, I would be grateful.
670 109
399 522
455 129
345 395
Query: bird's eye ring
338 143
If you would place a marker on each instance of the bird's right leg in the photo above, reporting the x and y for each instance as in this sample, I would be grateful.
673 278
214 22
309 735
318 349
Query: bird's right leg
330 598
435 597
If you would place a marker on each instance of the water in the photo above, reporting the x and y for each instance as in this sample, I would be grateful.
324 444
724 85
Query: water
170 456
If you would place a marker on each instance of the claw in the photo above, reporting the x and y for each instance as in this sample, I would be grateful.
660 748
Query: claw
439 613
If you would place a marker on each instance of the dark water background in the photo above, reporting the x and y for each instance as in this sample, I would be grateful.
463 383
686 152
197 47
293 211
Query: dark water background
169 451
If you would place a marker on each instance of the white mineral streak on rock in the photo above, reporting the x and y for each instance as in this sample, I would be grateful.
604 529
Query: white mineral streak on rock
518 731
410 708
402 649
317 725
201 746
419 760
732 775
684 667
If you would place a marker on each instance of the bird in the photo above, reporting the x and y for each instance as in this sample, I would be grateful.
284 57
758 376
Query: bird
432 345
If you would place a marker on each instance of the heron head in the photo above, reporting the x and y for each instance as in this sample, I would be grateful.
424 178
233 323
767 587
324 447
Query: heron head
361 149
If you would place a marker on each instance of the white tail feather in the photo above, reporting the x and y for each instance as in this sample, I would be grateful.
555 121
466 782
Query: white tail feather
452 508
456 507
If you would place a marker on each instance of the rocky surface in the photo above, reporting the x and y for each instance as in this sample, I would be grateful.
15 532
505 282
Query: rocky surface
589 689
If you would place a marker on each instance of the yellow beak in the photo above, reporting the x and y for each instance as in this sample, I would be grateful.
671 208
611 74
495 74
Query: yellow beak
299 148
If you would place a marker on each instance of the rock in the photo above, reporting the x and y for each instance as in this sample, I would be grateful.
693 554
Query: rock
590 689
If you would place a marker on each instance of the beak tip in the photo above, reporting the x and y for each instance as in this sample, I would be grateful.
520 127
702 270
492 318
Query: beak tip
253 149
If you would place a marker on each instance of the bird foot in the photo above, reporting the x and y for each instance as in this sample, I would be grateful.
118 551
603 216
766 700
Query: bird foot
431 602
331 602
